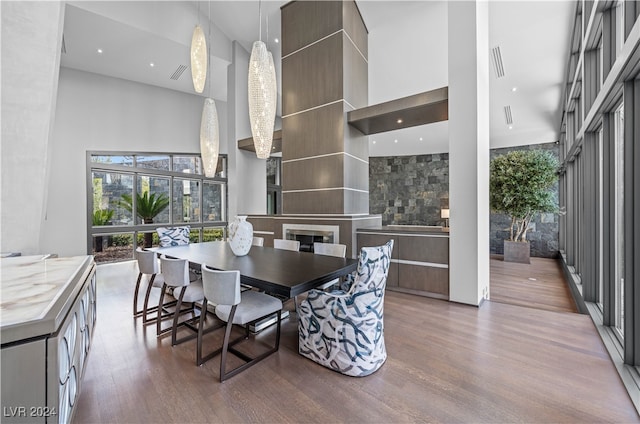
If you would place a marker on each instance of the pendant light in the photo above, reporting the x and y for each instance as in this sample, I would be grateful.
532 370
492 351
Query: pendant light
209 127
262 88
199 57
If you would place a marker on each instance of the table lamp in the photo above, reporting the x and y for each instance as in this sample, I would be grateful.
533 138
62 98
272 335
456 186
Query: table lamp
444 214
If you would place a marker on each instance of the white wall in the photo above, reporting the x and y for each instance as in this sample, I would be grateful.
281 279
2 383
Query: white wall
31 40
408 55
101 113
247 173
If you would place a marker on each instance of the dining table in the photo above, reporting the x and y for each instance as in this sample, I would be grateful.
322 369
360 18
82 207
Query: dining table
276 271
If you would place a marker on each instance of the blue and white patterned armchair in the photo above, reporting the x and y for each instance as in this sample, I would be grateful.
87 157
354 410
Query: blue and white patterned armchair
344 330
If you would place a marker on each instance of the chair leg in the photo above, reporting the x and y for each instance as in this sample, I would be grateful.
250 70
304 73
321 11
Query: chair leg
160 308
203 314
176 316
145 308
225 343
136 312
249 361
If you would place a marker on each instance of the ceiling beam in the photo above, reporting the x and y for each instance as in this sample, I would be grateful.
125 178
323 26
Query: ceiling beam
419 109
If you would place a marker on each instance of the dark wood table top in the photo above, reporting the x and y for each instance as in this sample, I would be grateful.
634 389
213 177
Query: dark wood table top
277 271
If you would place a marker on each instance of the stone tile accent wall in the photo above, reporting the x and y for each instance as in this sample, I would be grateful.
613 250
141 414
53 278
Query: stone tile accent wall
412 190
409 189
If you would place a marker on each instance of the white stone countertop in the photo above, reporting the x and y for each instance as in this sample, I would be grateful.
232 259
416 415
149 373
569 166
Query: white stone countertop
36 293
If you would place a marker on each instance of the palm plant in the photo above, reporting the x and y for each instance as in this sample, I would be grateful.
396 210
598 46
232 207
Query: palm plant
100 217
148 206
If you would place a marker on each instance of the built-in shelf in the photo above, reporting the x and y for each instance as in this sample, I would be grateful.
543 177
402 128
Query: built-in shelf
419 109
276 147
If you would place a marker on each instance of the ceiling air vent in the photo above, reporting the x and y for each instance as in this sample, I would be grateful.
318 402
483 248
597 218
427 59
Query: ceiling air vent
507 115
178 72
496 58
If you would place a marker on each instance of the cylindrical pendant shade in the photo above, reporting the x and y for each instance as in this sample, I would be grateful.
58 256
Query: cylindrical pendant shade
262 98
209 138
198 59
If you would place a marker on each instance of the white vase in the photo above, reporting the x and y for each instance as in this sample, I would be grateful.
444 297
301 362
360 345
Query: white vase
240 235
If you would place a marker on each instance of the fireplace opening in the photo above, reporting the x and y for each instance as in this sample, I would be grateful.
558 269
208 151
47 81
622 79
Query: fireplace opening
308 237
307 234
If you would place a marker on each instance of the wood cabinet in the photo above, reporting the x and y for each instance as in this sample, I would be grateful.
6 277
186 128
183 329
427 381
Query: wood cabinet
420 259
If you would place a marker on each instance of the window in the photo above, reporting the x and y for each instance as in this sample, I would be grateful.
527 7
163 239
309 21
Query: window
600 206
274 187
619 221
619 26
132 194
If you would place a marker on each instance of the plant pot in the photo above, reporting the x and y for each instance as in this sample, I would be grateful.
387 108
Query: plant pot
97 244
148 237
517 251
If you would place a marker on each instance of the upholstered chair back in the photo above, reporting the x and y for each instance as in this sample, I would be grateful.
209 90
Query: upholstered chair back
175 271
373 268
147 261
221 287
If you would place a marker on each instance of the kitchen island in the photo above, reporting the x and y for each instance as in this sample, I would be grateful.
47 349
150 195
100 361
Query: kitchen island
420 258
47 318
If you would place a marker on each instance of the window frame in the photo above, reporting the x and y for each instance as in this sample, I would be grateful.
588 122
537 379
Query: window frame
136 172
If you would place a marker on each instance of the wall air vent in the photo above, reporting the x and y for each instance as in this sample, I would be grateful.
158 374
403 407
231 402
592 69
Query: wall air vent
178 72
507 115
496 58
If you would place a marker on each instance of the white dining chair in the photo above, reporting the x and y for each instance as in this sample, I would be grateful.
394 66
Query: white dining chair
235 308
176 276
293 245
330 249
149 267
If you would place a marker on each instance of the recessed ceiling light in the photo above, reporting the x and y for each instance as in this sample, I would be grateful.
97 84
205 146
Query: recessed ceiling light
510 127
395 141
420 138
276 40
514 89
374 142
99 51
399 121
152 64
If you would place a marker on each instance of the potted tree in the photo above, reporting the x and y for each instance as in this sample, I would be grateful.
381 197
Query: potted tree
520 186
148 206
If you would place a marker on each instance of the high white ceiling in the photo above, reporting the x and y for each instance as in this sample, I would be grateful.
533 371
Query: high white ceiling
407 48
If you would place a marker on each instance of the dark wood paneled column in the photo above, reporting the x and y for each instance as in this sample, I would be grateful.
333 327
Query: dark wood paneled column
324 75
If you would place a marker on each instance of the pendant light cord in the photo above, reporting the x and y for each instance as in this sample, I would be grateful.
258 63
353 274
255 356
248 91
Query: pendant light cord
209 52
260 18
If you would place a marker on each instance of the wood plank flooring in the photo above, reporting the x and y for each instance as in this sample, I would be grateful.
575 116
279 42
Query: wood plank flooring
540 284
446 362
